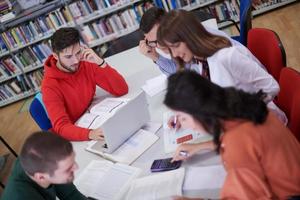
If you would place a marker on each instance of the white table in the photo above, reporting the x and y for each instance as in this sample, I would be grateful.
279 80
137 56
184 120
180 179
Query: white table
136 69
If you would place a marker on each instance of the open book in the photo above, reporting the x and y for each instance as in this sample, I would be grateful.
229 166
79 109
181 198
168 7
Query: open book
159 186
173 138
129 151
100 112
105 180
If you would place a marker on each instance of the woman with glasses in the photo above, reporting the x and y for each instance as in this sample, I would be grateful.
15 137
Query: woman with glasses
261 156
149 46
218 60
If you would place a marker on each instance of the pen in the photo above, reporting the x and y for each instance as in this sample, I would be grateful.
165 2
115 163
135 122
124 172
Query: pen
184 153
175 121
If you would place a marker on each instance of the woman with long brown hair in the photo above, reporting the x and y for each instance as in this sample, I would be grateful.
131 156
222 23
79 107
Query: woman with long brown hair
219 61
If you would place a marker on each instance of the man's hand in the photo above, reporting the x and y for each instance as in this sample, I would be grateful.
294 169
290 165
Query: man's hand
96 134
90 56
150 52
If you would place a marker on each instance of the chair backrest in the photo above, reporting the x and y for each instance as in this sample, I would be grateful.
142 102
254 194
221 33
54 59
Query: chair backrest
245 20
289 98
266 46
38 112
123 43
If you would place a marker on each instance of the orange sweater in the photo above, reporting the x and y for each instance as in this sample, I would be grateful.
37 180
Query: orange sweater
262 161
68 95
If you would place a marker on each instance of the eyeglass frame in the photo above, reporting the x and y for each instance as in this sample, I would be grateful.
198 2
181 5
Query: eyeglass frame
152 44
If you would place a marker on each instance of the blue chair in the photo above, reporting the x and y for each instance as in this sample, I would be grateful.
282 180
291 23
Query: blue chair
245 21
39 113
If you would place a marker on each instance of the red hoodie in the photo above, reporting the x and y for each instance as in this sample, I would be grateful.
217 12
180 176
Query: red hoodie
68 95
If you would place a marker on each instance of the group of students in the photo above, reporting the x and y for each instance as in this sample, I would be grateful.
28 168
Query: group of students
215 84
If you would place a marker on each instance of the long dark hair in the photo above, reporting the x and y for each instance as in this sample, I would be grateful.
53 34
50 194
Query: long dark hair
184 26
209 103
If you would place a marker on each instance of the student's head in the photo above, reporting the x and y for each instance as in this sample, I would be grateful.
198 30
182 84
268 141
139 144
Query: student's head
149 24
48 159
66 49
182 32
202 105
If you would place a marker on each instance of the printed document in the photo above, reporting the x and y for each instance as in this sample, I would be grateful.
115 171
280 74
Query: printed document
105 180
173 138
159 186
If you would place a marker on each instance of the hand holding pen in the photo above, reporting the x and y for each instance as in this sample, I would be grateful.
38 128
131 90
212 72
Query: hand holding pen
173 123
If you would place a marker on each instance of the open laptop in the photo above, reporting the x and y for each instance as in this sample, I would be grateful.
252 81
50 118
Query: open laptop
123 124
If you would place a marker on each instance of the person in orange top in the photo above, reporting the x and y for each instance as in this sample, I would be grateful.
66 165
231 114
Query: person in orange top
261 156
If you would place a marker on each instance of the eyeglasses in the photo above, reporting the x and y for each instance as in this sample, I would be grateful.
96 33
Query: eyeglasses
151 43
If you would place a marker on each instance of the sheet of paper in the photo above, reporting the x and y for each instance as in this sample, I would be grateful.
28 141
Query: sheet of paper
100 112
152 127
155 85
108 105
88 179
115 183
98 180
134 147
159 186
204 177
86 120
173 138
130 150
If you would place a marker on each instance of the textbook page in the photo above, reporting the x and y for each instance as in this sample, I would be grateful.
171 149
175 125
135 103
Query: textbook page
105 180
108 105
155 85
128 152
159 186
173 138
100 112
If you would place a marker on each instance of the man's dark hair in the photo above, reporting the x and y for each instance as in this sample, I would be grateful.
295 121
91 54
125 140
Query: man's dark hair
42 151
63 38
151 17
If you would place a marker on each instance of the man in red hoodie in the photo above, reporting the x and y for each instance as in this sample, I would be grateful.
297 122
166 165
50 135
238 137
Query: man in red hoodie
71 75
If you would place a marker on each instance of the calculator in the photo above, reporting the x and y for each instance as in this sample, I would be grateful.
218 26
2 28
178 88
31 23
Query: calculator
161 165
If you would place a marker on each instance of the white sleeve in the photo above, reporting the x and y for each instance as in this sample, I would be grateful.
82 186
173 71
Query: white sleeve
249 74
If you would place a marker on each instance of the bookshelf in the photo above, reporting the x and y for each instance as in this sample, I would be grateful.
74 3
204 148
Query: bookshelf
24 40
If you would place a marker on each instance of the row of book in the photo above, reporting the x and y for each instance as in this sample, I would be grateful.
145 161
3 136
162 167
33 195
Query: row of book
3 46
20 85
27 58
115 24
83 8
5 6
225 10
44 26
34 30
265 3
